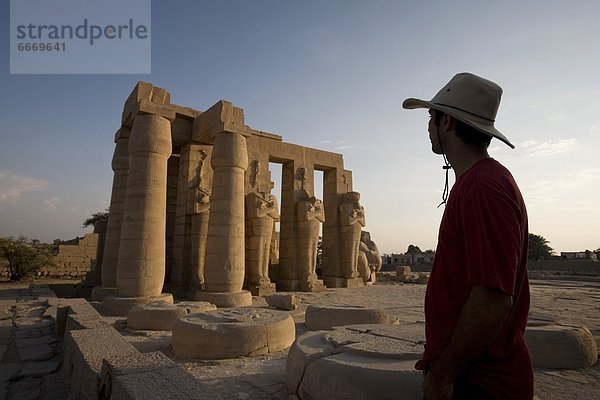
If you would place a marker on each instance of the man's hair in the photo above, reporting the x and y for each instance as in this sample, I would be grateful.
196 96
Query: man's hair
465 132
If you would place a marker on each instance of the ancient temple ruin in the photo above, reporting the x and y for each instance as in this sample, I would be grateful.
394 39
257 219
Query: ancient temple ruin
192 210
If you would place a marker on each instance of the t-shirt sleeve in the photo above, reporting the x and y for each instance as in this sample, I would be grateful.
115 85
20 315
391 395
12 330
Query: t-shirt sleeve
492 233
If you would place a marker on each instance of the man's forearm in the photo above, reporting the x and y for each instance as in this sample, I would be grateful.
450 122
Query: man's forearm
481 319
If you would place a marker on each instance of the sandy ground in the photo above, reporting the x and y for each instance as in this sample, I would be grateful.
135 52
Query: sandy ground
560 298
263 377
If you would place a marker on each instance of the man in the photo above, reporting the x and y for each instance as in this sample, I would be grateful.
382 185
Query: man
477 298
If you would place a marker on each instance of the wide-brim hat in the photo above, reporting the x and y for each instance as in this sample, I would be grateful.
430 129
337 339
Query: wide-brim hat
468 98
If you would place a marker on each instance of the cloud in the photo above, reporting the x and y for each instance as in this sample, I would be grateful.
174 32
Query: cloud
337 145
13 185
595 129
567 186
534 148
50 203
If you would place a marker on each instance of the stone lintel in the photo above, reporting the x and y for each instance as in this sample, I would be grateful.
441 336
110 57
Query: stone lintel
147 107
185 112
222 117
266 135
144 93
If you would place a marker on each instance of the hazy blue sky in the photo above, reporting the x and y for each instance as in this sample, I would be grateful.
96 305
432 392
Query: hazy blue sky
331 75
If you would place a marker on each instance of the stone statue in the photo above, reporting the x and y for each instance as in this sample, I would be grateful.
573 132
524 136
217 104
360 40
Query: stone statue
199 220
369 261
351 220
274 248
311 214
261 215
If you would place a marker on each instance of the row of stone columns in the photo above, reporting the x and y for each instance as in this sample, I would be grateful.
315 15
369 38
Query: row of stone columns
133 269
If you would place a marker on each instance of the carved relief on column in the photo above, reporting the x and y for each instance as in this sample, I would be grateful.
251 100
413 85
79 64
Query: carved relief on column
199 210
351 220
310 214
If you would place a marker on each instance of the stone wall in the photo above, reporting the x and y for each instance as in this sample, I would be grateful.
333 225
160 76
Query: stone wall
73 261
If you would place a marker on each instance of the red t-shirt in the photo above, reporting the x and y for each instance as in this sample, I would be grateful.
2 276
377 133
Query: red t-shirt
483 242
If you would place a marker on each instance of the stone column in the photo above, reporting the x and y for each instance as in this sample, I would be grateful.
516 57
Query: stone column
141 262
224 262
120 166
288 277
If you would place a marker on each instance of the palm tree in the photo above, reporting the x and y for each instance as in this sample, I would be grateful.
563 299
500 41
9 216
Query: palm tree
539 248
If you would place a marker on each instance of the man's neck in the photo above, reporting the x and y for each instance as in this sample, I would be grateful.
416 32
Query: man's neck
464 157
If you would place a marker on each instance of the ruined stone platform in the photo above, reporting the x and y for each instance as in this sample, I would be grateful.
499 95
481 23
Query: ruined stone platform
161 315
232 333
359 361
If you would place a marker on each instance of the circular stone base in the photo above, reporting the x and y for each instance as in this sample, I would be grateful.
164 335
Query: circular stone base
561 346
100 292
161 316
320 317
359 361
232 333
120 305
226 299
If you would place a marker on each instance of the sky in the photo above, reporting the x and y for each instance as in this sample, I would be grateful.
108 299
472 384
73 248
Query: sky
330 75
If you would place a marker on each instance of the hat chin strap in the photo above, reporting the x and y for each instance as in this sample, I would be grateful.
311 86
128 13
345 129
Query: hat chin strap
446 167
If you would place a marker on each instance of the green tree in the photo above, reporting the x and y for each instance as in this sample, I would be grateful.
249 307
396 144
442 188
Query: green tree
99 216
539 248
412 249
24 256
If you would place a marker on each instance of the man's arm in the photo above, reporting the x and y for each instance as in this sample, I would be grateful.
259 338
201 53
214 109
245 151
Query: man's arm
481 319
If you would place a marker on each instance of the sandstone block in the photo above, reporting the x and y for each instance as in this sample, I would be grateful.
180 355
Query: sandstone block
232 333
320 317
84 352
72 306
313 286
403 270
561 346
77 322
169 383
360 362
137 364
284 301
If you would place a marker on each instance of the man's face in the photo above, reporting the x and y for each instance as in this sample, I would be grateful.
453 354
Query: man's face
434 134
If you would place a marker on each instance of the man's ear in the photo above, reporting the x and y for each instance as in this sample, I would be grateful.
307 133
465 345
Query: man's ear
448 122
